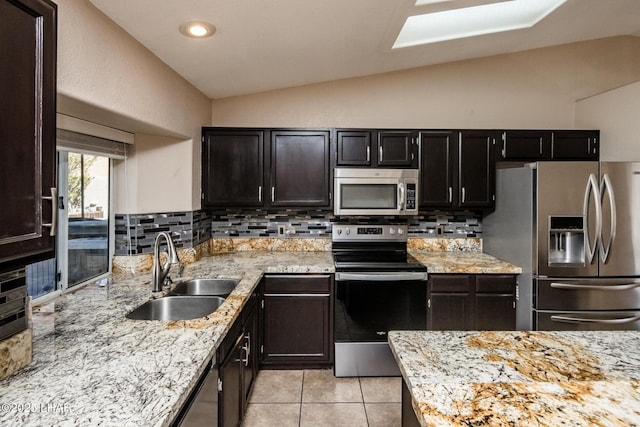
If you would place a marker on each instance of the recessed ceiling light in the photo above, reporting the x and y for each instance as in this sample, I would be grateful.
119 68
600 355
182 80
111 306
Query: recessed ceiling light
474 21
197 29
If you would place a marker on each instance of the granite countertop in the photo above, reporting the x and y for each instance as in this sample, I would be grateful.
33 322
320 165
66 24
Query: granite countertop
93 366
521 378
464 262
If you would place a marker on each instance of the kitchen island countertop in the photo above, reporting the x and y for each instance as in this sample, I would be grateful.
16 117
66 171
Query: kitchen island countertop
521 378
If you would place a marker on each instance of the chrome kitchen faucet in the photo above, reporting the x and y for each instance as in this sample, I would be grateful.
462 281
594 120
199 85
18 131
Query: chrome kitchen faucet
160 274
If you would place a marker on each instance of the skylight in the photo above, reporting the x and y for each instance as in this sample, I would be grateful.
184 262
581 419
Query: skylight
473 21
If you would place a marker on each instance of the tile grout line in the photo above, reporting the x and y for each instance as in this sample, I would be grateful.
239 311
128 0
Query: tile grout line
300 406
364 406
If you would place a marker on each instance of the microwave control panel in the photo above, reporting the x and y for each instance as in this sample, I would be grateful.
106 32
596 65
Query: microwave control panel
411 196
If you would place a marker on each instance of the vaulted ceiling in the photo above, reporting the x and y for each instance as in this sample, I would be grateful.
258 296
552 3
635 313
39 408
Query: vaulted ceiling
263 45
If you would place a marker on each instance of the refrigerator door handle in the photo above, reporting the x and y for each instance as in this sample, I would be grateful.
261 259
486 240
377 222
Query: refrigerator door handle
592 185
605 248
612 321
581 287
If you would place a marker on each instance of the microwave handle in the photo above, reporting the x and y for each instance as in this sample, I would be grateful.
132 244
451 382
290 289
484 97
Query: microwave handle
401 196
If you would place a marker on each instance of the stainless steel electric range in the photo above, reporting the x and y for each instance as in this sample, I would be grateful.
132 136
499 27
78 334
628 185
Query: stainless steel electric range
379 287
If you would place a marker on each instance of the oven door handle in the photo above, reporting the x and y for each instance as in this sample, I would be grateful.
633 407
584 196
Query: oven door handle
383 277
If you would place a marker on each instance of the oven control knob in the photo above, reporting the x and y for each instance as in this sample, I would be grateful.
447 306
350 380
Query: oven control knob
339 231
400 231
392 231
347 230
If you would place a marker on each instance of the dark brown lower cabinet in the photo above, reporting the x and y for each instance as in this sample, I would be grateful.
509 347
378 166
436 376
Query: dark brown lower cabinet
471 302
297 321
237 366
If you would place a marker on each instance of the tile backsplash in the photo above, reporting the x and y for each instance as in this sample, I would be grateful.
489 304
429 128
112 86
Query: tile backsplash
135 234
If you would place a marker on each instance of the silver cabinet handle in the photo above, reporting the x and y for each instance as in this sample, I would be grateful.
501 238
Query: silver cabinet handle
54 211
606 187
368 153
614 321
450 194
247 349
575 286
273 194
464 195
592 186
540 145
260 193
380 154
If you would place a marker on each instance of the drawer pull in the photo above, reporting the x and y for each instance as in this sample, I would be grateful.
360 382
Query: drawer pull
573 286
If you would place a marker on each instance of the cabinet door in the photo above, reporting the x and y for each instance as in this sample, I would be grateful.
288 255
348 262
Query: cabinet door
437 154
397 149
449 302
249 355
354 148
495 302
27 130
232 167
575 145
476 169
230 392
526 145
300 168
297 320
296 329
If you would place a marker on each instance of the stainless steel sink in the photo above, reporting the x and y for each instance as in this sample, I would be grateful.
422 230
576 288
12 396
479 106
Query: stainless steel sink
219 287
176 308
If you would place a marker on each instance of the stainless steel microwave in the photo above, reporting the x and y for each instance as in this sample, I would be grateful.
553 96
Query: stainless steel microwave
370 192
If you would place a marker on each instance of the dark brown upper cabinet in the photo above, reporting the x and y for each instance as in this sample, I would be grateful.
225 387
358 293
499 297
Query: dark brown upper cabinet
457 170
353 147
377 148
536 145
437 169
575 145
233 168
397 148
476 169
262 168
525 145
300 168
27 131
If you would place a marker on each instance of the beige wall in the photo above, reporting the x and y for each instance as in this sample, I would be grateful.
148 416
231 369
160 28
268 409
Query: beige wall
107 77
532 89
617 114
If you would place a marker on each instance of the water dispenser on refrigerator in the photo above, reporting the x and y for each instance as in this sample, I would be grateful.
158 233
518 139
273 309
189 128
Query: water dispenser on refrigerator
566 240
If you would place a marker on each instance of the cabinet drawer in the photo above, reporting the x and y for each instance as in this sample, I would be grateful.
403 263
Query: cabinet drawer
449 283
308 284
495 284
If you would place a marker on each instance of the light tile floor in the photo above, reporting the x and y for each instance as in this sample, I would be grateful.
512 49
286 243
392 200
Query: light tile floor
315 398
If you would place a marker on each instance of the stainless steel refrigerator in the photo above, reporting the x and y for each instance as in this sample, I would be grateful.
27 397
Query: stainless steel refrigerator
574 228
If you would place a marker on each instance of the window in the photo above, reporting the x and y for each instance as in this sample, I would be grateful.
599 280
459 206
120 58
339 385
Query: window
85 238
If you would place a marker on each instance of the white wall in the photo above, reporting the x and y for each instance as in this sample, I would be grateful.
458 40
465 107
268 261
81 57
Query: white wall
617 114
531 89
105 76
